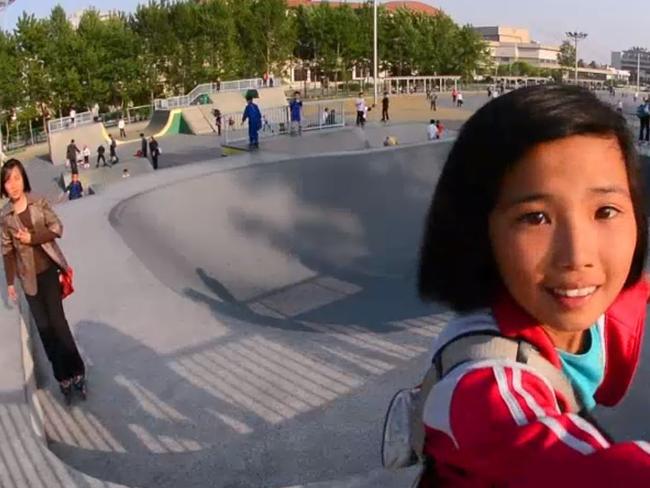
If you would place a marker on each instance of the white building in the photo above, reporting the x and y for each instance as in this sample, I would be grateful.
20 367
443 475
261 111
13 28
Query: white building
509 45
75 17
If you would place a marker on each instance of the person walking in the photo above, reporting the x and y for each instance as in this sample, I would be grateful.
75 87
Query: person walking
155 151
101 150
643 112
385 102
71 155
30 253
217 120
360 105
459 99
295 109
73 116
143 145
254 116
121 124
113 151
433 105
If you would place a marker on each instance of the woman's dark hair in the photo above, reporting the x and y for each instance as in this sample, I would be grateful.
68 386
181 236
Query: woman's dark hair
457 266
6 171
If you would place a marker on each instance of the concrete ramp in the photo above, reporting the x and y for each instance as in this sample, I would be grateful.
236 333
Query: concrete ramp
197 121
234 102
229 102
86 135
272 97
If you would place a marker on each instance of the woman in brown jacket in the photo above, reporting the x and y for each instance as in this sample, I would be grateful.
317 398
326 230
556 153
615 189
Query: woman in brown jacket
29 251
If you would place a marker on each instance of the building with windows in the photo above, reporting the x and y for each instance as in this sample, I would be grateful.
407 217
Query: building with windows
630 59
509 45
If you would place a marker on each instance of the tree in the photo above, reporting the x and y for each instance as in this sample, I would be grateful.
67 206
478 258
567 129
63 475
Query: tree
567 55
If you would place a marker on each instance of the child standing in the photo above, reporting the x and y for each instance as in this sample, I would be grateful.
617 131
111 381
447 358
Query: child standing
543 243
86 155
254 116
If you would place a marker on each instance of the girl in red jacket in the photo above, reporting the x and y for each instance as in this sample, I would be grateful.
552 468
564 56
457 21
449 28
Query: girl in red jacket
537 232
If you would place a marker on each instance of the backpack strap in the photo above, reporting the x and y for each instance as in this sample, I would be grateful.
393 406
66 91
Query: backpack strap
483 345
478 346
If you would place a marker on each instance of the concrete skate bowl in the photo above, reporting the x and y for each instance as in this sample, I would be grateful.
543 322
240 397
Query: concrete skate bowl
293 244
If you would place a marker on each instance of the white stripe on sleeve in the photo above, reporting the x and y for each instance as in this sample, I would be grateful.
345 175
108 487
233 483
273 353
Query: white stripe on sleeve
507 396
644 446
528 398
585 426
570 440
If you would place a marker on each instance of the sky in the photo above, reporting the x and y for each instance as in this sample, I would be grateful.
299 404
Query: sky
611 25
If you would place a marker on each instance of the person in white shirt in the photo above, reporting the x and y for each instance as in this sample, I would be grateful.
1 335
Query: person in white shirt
325 116
360 105
459 99
73 115
432 130
86 155
121 124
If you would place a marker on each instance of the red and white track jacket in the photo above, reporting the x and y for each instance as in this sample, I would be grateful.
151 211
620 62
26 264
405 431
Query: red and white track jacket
497 423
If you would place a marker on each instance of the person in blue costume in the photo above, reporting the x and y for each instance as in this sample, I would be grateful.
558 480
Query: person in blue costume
254 116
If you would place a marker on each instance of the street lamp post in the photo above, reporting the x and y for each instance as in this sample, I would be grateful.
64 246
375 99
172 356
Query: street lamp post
374 64
638 70
576 36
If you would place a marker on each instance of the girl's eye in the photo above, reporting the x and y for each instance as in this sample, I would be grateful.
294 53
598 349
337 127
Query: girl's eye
606 213
534 218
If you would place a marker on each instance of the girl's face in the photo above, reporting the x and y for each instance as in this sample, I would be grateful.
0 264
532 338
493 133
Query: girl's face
14 185
563 231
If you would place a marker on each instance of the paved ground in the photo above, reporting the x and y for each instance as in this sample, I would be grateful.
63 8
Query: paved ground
247 318
258 322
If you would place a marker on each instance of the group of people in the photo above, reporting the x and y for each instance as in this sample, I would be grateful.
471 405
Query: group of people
435 130
149 147
539 250
73 153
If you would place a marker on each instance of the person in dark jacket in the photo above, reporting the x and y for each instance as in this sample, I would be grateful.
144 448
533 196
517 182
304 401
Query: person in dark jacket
384 108
71 155
30 253
113 151
155 151
101 151
143 143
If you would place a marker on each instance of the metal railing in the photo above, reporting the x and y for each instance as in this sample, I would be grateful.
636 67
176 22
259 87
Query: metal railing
277 120
206 89
83 118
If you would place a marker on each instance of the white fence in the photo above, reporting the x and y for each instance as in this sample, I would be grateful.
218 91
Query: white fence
83 118
277 120
206 89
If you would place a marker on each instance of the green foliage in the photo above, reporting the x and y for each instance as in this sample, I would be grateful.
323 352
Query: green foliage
166 48
567 56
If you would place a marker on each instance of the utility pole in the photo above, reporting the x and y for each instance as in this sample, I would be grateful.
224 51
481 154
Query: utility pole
374 64
576 36
638 71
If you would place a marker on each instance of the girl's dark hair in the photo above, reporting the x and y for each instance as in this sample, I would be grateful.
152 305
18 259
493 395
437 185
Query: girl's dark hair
456 261
4 176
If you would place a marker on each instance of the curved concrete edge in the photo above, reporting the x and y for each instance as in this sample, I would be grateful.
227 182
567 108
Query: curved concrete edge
25 459
23 445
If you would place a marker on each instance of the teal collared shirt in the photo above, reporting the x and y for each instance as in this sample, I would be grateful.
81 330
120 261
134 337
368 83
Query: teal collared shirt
587 370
